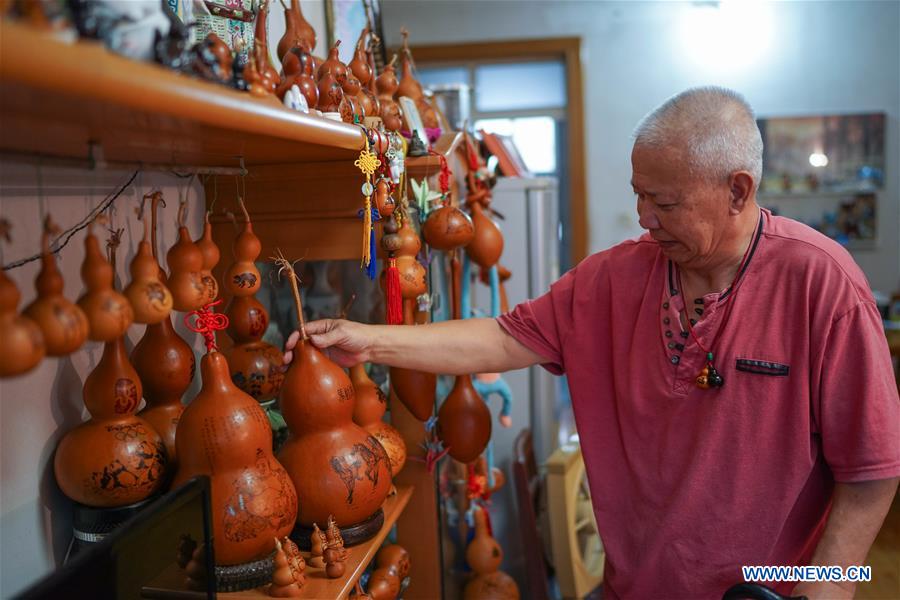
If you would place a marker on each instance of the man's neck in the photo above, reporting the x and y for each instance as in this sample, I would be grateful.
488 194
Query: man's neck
716 277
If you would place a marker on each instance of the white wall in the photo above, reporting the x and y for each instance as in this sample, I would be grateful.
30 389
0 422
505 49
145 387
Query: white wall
822 57
38 408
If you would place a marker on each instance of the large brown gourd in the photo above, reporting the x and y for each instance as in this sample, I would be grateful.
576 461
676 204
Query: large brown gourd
297 30
116 458
224 434
484 556
108 312
185 262
387 85
337 467
487 243
63 324
368 413
166 364
21 341
256 367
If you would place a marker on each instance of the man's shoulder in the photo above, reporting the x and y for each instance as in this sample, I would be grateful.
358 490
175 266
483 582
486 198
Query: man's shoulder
635 252
809 250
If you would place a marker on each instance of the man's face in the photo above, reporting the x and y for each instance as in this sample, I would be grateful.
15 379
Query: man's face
686 215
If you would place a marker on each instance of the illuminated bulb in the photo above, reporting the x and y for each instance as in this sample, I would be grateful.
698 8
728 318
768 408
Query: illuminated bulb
817 159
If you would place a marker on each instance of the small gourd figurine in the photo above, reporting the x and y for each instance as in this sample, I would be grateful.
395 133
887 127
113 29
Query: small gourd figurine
368 413
334 565
484 556
415 389
116 458
21 340
337 467
335 554
150 299
225 435
297 30
210 252
185 262
108 312
295 560
62 323
334 539
284 582
165 364
387 86
317 547
256 367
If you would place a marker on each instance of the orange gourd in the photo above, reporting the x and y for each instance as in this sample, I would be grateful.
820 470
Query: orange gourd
63 324
115 458
21 341
284 582
108 312
411 88
447 228
337 467
464 421
387 85
256 367
413 277
297 65
224 434
150 299
269 76
361 69
368 413
297 30
210 252
333 65
185 262
487 243
484 556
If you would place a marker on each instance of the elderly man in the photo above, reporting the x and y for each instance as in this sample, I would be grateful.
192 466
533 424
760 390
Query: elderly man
731 383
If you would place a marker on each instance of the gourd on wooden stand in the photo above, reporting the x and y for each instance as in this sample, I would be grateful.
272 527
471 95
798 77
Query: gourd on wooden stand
165 364
224 434
337 467
116 458
256 367
63 324
368 413
21 340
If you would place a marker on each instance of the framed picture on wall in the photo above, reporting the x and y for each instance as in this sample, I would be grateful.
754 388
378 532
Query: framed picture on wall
346 19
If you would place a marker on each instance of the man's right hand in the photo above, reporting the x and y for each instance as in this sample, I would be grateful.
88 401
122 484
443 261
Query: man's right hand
345 342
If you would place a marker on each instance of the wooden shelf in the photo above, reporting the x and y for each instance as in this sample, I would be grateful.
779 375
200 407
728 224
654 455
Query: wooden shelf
58 98
319 586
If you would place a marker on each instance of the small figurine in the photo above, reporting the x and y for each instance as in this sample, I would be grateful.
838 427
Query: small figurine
284 582
294 100
295 559
334 539
334 562
317 548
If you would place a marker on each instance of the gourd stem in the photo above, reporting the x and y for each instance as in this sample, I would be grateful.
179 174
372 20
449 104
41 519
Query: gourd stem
286 266
244 210
155 200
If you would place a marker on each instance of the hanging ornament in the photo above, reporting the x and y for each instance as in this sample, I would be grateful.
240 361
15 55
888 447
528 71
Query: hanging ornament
368 163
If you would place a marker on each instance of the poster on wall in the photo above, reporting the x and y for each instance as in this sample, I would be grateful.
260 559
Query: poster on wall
346 19
829 153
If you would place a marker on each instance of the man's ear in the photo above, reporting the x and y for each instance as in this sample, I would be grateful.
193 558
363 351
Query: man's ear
740 185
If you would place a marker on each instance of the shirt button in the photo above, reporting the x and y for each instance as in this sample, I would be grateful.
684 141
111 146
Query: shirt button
675 360
668 334
665 305
666 321
684 334
671 345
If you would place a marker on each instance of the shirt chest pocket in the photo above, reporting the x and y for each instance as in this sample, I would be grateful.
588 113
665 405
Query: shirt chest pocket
762 367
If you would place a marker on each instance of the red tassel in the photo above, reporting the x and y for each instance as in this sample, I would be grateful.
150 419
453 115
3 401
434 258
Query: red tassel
394 299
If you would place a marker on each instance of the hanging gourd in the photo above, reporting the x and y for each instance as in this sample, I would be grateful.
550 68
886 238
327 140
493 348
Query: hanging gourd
21 340
225 435
337 467
487 243
185 262
211 255
108 312
256 367
150 299
447 227
484 556
368 413
165 364
116 458
62 323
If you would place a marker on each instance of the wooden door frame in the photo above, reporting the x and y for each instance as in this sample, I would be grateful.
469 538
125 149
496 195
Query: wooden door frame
569 50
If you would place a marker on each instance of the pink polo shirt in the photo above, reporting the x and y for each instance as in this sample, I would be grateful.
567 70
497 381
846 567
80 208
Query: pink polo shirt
689 484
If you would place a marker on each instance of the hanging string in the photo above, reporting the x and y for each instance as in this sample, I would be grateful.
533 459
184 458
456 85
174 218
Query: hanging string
63 238
207 322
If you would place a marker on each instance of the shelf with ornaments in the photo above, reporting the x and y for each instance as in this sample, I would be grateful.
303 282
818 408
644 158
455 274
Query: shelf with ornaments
80 101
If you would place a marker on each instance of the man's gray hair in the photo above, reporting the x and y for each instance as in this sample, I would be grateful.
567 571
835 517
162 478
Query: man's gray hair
714 125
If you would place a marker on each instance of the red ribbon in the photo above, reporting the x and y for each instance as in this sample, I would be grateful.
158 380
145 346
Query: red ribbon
207 322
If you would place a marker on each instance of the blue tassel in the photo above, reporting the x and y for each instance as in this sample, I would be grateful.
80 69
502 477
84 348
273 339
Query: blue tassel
465 293
495 292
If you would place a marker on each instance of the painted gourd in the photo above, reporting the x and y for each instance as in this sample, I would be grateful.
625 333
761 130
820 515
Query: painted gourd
297 30
150 299
297 65
484 556
185 262
21 340
413 282
256 367
487 243
387 86
116 458
361 69
351 109
210 252
333 65
447 228
108 312
330 93
337 467
63 324
224 434
165 364
284 582
368 412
